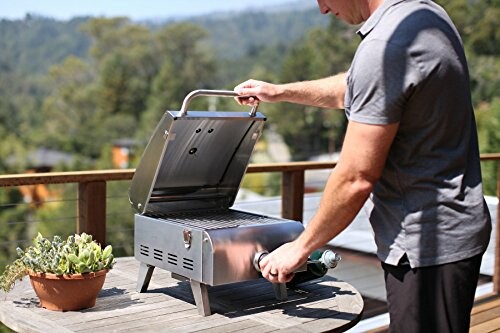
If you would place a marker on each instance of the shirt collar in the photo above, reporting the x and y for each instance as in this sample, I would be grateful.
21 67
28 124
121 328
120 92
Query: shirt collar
375 17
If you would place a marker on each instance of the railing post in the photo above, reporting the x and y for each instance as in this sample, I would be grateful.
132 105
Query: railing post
292 195
496 272
91 211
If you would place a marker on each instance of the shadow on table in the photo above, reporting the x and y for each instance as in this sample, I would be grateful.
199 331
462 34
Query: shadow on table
27 302
257 296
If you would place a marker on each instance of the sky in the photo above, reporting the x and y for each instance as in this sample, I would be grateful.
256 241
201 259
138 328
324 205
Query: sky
134 9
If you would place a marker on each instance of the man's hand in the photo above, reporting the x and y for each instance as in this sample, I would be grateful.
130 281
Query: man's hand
252 91
279 265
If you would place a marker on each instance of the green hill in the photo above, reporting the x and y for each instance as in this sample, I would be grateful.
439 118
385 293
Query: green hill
32 45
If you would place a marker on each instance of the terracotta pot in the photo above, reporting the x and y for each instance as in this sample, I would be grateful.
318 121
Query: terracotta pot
67 292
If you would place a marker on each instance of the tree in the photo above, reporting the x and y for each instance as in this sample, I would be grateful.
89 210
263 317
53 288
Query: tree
488 118
186 65
310 131
126 60
72 103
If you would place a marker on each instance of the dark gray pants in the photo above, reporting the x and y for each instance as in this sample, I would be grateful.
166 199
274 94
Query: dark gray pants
431 299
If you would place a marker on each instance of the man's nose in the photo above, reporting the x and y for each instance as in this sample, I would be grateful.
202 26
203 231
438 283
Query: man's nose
322 8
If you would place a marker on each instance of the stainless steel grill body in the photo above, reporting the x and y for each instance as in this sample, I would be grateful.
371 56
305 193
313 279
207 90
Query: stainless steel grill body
182 190
213 248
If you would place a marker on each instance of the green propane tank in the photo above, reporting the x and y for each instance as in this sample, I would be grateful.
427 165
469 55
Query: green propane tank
318 264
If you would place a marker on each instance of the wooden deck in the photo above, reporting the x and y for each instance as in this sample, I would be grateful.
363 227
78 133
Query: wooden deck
485 316
317 306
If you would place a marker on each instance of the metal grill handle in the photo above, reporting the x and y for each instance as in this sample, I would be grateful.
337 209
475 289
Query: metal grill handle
221 93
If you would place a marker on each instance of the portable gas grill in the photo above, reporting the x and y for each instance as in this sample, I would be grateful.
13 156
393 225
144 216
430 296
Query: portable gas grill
182 190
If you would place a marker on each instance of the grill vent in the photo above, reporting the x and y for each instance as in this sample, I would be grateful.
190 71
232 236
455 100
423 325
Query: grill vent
144 250
172 259
188 264
158 254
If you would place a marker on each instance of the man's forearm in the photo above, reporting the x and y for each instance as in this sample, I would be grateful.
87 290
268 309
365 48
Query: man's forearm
341 201
360 166
326 93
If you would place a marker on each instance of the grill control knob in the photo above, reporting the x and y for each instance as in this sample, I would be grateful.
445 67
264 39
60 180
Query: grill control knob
257 258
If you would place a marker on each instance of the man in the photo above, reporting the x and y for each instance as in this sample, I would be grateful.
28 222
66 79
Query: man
411 149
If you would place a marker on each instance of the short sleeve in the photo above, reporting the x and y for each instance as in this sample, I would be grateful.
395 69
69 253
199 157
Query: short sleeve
380 81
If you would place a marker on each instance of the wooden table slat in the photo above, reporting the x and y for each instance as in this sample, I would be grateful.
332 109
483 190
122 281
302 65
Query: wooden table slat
17 320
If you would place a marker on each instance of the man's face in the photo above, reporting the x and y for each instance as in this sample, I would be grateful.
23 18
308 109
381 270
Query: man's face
350 11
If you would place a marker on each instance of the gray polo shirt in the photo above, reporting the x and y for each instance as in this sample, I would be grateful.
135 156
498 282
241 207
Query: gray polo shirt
410 68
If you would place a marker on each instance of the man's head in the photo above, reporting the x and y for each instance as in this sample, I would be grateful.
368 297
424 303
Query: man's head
350 11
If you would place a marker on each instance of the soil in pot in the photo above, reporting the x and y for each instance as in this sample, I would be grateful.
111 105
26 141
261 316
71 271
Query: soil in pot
69 292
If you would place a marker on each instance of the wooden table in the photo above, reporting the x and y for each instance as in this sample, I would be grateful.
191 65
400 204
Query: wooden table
168 306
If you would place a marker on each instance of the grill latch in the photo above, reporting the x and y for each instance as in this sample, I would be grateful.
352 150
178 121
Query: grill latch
187 238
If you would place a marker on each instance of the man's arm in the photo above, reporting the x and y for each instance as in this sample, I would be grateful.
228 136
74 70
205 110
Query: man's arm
360 165
326 93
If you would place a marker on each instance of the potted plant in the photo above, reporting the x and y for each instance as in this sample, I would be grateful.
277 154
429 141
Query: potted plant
65 274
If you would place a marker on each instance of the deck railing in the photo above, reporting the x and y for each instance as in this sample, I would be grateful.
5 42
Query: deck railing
91 202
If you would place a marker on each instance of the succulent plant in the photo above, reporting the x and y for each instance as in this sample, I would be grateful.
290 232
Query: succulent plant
76 254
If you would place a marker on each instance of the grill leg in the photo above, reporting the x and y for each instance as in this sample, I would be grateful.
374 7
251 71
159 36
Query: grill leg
201 300
280 291
145 273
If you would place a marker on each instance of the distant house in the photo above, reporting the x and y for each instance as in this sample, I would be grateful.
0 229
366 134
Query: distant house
36 195
123 153
37 161
44 159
